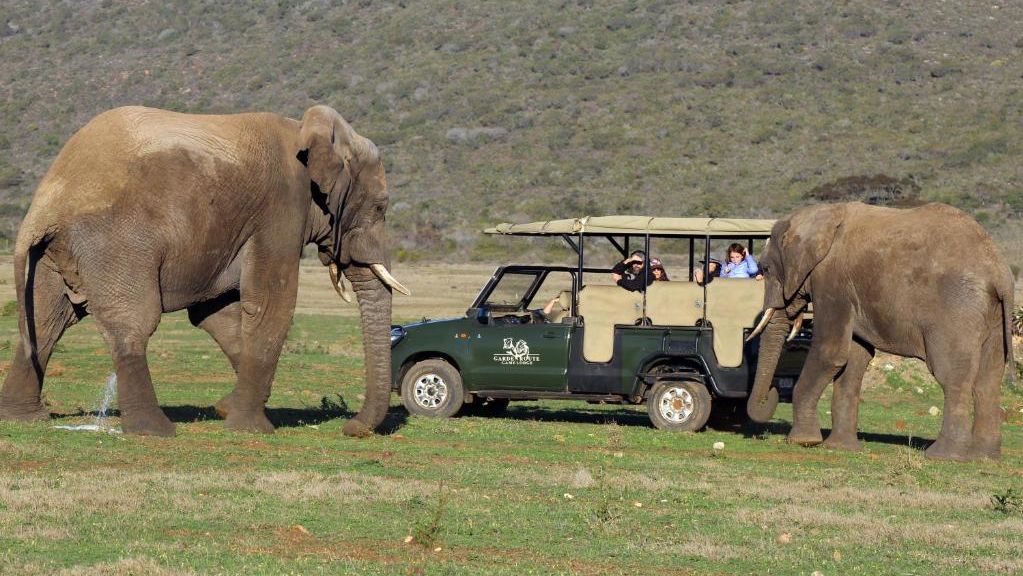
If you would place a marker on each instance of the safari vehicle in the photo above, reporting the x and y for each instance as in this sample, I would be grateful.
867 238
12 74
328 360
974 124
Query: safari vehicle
680 346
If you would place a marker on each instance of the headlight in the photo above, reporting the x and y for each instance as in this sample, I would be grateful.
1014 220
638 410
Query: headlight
397 333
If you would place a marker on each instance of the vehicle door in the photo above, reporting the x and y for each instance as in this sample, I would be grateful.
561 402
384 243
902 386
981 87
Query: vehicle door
514 347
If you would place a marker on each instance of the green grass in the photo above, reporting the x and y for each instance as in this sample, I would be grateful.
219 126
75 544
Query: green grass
549 488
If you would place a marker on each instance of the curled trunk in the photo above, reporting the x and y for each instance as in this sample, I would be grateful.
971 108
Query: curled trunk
375 313
764 397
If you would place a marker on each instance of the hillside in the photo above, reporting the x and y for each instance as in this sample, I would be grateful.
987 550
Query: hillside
491 111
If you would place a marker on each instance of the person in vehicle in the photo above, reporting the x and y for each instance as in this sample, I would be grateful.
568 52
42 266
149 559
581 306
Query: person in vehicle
741 264
556 309
713 268
657 269
632 273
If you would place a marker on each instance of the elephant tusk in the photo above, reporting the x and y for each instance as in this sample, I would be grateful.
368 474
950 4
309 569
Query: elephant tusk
763 324
339 284
386 278
796 325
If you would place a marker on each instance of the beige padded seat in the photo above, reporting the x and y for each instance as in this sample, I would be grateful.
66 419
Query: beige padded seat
732 304
564 307
601 308
674 303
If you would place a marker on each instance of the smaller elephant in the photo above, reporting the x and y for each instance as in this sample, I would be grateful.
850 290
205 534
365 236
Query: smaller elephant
926 283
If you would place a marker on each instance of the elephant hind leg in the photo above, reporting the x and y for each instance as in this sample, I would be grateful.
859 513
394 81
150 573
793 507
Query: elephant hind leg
987 412
127 326
955 366
51 314
221 318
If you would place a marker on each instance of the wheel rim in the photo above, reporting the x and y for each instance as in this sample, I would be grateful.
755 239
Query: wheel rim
430 391
676 405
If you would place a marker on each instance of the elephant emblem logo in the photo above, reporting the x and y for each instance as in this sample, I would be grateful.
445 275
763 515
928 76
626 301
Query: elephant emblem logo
516 353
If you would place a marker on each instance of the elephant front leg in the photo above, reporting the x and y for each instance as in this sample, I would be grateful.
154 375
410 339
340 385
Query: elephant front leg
828 353
268 293
845 401
222 319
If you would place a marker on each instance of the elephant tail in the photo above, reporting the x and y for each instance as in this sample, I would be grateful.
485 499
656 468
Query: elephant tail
1005 294
27 253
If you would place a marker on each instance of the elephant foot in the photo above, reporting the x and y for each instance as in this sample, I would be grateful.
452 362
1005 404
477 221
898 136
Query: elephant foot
843 442
990 449
805 436
23 411
249 421
356 429
224 405
147 423
943 449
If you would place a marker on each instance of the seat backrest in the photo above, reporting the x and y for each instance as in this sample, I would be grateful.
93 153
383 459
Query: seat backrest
564 307
732 304
674 303
601 308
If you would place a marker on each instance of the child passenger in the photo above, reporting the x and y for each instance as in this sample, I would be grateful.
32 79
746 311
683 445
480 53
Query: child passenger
741 264
657 269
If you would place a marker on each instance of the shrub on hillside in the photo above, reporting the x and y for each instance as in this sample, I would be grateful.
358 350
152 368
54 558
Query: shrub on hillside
878 189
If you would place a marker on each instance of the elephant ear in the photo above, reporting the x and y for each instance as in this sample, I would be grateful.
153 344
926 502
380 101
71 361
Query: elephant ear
807 241
322 145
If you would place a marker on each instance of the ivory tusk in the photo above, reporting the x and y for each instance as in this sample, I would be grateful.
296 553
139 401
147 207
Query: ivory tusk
796 325
386 278
763 324
339 284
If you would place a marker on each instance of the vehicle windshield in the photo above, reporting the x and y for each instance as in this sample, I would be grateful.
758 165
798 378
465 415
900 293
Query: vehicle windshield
512 289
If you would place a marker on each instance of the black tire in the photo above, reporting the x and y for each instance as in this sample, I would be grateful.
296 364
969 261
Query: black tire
679 405
486 407
432 388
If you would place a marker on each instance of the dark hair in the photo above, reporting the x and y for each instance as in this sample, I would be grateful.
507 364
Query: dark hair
638 253
737 248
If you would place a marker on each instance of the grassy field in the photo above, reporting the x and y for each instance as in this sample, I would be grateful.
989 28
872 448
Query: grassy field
549 488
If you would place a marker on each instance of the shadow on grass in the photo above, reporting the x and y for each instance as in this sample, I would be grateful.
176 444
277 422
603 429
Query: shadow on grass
577 415
752 430
279 417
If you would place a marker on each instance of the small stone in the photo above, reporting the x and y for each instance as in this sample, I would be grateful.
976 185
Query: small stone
837 556
934 411
408 539
888 367
437 549
919 390
719 446
783 538
637 504
816 573
568 496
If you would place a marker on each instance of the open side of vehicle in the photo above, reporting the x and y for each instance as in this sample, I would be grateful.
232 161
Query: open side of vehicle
679 347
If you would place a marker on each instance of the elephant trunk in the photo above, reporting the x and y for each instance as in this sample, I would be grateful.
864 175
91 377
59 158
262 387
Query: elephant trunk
375 311
764 398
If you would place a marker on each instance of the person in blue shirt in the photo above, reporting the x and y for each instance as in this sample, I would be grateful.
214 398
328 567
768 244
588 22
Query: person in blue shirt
741 264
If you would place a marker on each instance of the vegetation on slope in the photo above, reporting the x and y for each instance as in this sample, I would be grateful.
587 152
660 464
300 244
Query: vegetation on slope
490 111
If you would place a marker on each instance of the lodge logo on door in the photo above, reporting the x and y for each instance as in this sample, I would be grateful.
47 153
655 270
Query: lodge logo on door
516 354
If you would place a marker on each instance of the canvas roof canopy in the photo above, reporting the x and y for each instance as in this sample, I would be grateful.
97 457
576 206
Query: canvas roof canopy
640 226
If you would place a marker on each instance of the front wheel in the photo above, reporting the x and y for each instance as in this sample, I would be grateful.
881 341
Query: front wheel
432 388
679 405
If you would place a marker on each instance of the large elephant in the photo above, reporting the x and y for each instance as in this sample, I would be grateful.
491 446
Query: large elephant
147 211
926 282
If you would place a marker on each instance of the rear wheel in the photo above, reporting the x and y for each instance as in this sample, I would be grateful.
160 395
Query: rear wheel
432 388
679 405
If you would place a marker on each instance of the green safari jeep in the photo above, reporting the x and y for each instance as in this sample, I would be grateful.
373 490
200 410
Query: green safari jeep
568 332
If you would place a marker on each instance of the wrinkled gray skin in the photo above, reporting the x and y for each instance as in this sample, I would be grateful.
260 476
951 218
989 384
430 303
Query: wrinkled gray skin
926 282
146 211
